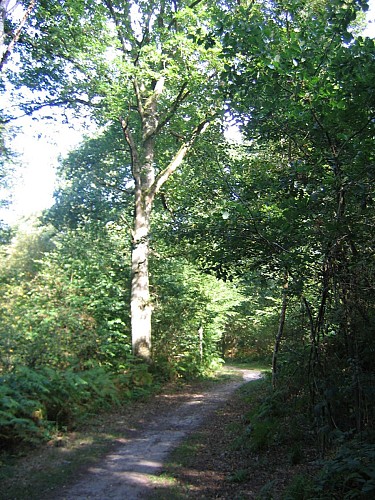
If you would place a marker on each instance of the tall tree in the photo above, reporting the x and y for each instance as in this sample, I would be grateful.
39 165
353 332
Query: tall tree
300 191
147 66
304 80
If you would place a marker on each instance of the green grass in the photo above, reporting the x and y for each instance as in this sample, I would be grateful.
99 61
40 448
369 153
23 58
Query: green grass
169 493
181 455
261 365
239 476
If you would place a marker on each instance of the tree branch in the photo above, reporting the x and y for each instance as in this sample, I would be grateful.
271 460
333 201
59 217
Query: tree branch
355 134
16 35
138 96
280 331
108 185
182 95
164 175
145 39
133 149
329 140
150 107
191 6
52 104
122 39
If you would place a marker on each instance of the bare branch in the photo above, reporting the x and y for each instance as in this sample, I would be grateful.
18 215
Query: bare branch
164 175
133 149
16 35
182 95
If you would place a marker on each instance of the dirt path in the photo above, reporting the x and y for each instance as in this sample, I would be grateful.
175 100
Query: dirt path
126 472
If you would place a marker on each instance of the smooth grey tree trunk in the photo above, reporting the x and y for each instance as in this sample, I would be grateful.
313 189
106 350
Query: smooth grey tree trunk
140 303
147 186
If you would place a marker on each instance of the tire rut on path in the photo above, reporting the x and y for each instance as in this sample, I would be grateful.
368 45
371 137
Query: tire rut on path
125 473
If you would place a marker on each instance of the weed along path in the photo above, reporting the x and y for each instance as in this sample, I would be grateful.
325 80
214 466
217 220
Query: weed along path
127 472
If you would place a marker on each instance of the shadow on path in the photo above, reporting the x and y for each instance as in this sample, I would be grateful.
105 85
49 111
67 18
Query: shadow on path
125 473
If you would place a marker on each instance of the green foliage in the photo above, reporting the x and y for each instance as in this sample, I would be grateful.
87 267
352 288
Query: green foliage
70 309
70 312
350 474
300 488
192 312
263 434
23 255
253 322
274 419
301 195
295 455
74 394
34 403
94 184
21 411
265 424
239 476
295 197
7 161
267 492
140 379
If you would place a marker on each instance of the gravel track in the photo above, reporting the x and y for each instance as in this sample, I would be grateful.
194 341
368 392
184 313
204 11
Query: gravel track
126 473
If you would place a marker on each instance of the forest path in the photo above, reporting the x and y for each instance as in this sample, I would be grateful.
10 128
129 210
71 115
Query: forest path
126 472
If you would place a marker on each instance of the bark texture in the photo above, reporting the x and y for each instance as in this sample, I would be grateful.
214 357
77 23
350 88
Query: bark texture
147 185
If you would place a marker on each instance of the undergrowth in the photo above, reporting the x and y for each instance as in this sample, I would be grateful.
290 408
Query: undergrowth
280 419
36 403
27 470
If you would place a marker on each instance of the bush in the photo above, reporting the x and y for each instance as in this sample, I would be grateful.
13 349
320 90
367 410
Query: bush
22 413
300 488
350 474
33 403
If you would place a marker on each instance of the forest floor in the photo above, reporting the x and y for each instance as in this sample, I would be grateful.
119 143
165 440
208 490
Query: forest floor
174 445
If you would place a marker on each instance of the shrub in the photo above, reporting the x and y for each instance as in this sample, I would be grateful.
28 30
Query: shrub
350 474
22 413
34 402
300 488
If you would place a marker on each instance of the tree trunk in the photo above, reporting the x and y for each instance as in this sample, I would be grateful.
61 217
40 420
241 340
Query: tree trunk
140 303
280 330
147 186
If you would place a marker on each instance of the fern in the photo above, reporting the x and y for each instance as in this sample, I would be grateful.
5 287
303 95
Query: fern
350 474
17 415
32 401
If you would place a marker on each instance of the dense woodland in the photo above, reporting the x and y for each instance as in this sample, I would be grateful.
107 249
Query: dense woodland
171 247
